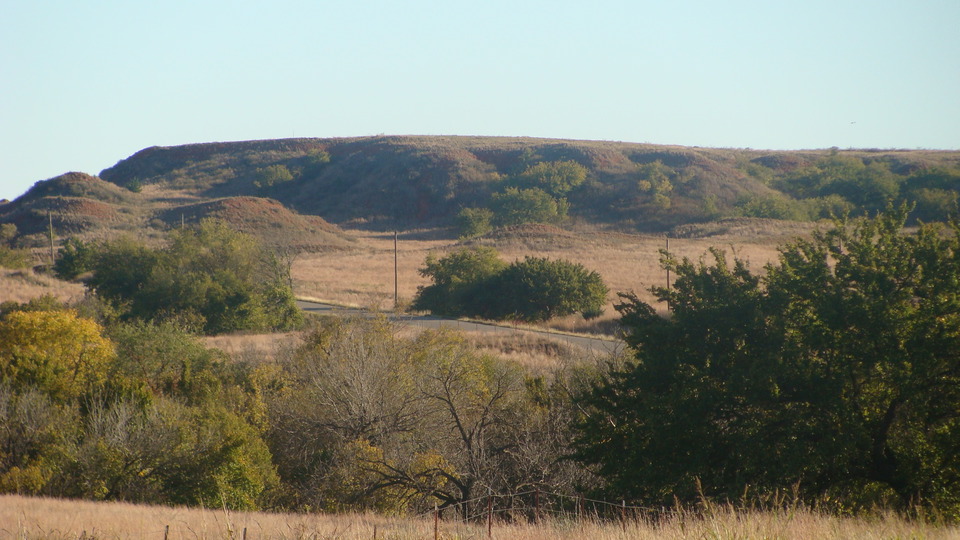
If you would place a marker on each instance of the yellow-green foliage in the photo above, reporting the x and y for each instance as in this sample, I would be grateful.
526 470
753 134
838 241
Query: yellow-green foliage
57 351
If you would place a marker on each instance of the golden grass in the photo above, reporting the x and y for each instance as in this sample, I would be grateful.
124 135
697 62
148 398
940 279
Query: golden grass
35 518
627 262
24 285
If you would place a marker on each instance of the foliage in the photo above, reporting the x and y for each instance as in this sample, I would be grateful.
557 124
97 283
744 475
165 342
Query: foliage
457 280
148 417
555 178
10 255
538 289
532 205
56 351
655 180
475 282
867 186
167 360
473 222
35 434
272 175
836 374
364 419
773 207
211 277
75 258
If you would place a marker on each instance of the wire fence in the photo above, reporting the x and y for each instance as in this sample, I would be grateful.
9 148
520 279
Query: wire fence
536 505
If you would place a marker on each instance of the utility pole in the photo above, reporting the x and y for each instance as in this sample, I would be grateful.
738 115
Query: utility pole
668 274
396 275
53 255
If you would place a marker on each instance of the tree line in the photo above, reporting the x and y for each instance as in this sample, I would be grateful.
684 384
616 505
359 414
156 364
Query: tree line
833 374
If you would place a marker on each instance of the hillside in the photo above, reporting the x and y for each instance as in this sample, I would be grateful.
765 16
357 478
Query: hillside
289 191
408 182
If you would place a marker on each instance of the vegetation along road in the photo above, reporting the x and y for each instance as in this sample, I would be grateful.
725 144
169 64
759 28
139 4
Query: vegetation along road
608 345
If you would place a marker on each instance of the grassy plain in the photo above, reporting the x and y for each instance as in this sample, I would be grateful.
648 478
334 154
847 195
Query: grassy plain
627 262
39 518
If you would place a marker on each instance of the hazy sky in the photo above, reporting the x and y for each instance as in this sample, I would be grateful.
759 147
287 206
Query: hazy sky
84 84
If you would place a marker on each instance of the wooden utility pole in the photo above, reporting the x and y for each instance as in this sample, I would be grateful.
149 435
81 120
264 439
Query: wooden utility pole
396 275
53 254
668 275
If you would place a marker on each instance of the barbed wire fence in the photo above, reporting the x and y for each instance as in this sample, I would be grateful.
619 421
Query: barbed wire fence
537 505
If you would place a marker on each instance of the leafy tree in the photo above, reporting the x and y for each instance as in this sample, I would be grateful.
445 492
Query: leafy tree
655 180
774 207
555 178
457 280
166 359
75 258
475 282
36 437
835 373
518 206
212 277
56 351
538 289
474 222
272 175
170 453
10 255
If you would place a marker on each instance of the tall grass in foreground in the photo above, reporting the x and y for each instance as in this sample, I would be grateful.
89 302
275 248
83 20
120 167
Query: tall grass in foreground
35 518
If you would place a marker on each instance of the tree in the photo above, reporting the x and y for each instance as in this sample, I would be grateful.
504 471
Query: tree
10 255
75 258
555 178
474 222
534 205
55 351
457 280
837 373
538 289
270 176
212 277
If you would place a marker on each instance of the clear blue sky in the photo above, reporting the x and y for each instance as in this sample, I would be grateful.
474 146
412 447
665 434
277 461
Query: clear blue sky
84 84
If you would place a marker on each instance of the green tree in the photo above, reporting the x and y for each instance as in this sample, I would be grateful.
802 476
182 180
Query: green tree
210 276
474 222
10 255
457 280
836 372
556 178
75 258
518 206
538 289
272 175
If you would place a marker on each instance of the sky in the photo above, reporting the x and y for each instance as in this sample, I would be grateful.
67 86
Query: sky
84 84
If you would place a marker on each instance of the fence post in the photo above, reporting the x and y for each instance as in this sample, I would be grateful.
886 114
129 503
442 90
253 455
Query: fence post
244 533
536 505
489 515
623 514
166 532
436 522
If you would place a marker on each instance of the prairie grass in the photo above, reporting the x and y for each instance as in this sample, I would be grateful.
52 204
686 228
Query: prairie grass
41 518
627 262
24 285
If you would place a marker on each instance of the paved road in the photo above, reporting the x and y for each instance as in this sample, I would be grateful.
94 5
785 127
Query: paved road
427 321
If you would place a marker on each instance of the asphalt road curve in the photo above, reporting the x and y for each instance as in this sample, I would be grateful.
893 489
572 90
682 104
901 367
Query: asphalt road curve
600 345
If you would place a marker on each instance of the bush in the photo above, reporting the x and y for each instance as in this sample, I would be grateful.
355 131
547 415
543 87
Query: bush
474 222
211 277
475 282
518 206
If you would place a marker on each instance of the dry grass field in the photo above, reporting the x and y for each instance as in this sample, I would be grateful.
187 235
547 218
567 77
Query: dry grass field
627 262
25 284
38 518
